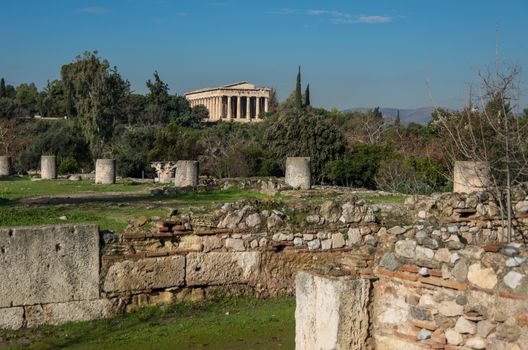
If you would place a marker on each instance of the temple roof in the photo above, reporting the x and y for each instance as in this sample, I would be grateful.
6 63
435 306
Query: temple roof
241 85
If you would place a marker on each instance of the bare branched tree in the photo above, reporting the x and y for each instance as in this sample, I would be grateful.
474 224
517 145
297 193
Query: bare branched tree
488 130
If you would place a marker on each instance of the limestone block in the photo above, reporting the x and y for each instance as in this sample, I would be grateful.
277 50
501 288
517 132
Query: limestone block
105 171
187 172
298 172
48 264
217 268
5 166
12 318
74 311
331 312
148 273
482 277
471 176
48 167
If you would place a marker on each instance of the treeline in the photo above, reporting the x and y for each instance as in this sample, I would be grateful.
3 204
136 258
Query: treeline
106 119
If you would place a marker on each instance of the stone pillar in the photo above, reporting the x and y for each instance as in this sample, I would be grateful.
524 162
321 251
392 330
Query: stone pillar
248 108
298 172
218 107
105 171
257 107
331 312
48 167
266 105
187 172
239 107
469 176
229 114
5 166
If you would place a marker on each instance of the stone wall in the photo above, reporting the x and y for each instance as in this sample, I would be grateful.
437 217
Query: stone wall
448 279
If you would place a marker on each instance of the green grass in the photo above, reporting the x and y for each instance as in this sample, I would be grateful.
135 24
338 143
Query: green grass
384 199
239 323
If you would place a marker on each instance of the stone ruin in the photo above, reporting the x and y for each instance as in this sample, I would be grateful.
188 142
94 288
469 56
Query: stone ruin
164 171
187 172
5 166
298 172
469 176
105 171
48 167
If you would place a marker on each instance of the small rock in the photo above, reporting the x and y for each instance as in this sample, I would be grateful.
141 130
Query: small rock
460 271
515 261
484 328
424 334
522 207
354 236
464 326
430 243
253 244
454 258
420 313
424 271
63 218
338 241
235 244
509 251
372 242
390 262
142 220
476 343
315 244
512 279
273 221
396 230
450 308
427 300
326 244
424 253
313 219
443 255
406 249
508 330
452 229
482 277
298 241
453 337
461 299
75 178
422 214
253 220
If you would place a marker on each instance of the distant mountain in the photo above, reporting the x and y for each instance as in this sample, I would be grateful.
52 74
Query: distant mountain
417 115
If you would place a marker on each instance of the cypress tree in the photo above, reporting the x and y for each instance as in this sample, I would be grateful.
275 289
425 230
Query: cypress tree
397 122
298 93
307 95
3 92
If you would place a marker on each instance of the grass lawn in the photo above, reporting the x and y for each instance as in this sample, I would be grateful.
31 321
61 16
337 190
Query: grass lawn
239 323
111 214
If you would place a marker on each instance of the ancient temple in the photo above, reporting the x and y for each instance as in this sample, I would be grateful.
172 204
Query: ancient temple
242 102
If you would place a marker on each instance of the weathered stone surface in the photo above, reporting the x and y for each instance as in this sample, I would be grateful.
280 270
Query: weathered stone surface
273 221
508 330
460 271
212 243
349 213
11 318
406 249
298 172
314 244
424 253
515 261
389 261
186 174
105 171
482 277
48 167
396 230
145 273
354 236
74 311
513 279
47 264
453 337
330 211
424 334
331 312
464 326
222 268
521 207
326 244
450 308
235 244
476 343
484 328
253 220
443 255
338 241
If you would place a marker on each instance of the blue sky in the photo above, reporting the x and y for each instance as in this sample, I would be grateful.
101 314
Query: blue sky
353 53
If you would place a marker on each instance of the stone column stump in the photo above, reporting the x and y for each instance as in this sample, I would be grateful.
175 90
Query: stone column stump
105 171
48 167
298 172
187 172
5 166
469 176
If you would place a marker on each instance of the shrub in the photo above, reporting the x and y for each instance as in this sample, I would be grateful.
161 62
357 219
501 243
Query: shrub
68 165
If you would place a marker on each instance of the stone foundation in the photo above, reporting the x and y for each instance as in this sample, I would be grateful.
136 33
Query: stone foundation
298 172
5 166
48 167
105 171
187 172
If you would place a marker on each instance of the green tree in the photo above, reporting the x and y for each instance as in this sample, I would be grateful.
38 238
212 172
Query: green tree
307 95
158 109
3 92
27 97
298 92
397 122
97 94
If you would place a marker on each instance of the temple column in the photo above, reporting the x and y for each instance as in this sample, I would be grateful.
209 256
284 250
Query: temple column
229 116
257 107
266 105
239 107
248 108
218 107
